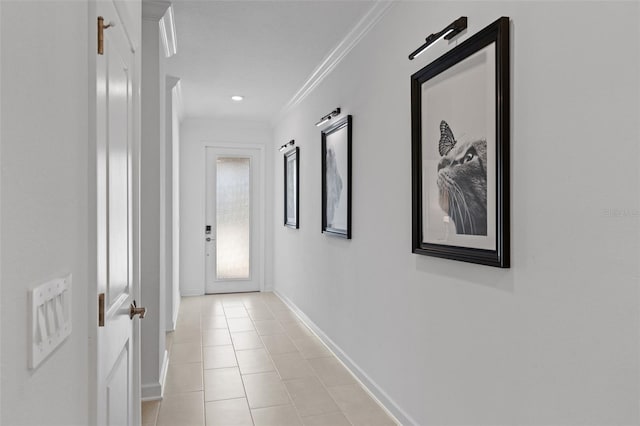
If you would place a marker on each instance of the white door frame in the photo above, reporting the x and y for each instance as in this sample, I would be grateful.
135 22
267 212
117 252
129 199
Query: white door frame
261 203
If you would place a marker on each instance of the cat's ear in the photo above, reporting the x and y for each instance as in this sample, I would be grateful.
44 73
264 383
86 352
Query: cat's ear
447 141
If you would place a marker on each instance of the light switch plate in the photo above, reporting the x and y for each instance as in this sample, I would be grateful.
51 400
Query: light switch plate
50 305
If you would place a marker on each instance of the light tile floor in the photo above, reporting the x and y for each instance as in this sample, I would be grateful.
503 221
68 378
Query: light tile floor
246 359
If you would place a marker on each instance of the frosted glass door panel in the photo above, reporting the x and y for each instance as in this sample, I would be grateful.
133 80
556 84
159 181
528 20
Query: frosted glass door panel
233 218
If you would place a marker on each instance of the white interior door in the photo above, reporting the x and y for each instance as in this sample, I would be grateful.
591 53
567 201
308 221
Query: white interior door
117 338
234 220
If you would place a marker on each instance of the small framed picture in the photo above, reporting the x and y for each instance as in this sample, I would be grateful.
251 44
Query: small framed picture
336 179
291 188
460 151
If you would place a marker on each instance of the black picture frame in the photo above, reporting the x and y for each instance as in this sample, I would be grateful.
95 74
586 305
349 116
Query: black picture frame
462 230
292 188
336 178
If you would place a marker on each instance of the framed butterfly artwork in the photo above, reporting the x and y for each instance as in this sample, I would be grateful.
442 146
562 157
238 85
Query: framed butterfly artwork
460 151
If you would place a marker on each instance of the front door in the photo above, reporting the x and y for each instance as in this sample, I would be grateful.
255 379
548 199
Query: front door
117 335
233 225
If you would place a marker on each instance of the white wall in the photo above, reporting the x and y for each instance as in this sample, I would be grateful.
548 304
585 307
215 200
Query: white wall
194 133
44 198
153 329
554 339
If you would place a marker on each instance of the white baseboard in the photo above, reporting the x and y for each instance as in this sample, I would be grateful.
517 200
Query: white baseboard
173 322
367 383
155 391
151 392
163 371
176 311
191 293
267 287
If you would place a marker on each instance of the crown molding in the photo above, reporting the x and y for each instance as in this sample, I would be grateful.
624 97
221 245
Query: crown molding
331 61
154 10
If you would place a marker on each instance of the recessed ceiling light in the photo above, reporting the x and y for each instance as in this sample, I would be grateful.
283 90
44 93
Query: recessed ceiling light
237 98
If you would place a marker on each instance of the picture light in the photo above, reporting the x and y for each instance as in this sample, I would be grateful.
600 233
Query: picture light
328 117
452 30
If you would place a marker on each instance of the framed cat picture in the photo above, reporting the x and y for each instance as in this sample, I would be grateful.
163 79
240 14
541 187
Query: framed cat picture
336 179
460 151
291 188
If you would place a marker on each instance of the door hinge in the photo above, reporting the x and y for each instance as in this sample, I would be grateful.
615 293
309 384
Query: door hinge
101 28
101 310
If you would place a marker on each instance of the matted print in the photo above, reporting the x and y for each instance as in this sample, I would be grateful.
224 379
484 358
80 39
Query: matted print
460 140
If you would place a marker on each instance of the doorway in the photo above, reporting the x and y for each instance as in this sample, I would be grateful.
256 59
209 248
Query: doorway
234 219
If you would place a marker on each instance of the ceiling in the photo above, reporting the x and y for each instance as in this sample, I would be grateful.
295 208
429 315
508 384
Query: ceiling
262 50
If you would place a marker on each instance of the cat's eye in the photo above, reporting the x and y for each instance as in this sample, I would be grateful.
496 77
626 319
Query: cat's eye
468 156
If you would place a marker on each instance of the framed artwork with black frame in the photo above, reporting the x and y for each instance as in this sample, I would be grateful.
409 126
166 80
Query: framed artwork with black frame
292 188
336 179
460 151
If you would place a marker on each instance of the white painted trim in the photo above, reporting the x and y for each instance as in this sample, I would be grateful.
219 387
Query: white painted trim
262 203
151 392
168 33
179 101
163 371
328 64
164 38
371 387
168 244
174 320
155 391
174 82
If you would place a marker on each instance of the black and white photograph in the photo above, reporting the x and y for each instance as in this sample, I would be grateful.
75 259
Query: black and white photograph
291 188
336 179
459 145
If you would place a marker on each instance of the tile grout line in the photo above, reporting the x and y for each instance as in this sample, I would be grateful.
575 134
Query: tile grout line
202 362
235 355
271 360
204 395
357 380
269 355
325 387
307 360
262 303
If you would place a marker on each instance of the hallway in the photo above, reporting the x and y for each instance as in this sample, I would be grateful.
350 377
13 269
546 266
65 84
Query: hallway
246 359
